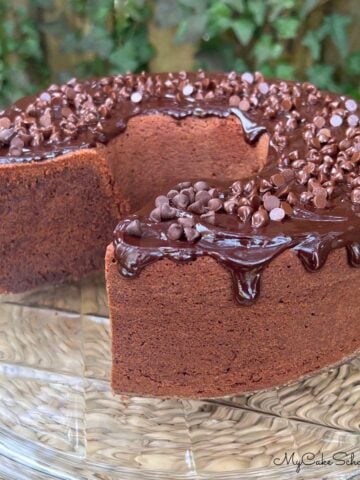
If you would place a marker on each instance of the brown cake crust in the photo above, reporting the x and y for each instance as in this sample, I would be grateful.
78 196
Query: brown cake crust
177 331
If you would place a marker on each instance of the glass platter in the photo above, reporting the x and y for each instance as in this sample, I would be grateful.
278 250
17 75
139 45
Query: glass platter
59 419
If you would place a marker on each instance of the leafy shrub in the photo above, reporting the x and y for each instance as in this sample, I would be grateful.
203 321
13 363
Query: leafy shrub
43 41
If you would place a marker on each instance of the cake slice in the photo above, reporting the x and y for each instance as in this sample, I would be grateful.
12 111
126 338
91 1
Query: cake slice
56 217
206 301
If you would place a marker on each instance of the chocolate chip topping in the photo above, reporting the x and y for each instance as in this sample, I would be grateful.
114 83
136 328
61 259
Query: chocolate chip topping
260 218
175 231
243 227
134 228
277 214
82 114
271 202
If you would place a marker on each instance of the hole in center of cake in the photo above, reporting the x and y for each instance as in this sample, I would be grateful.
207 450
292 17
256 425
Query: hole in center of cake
157 151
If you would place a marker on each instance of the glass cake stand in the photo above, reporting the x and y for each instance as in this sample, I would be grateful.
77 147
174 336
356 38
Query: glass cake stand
59 419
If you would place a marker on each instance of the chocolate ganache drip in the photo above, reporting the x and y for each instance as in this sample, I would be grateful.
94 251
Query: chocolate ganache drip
202 218
307 196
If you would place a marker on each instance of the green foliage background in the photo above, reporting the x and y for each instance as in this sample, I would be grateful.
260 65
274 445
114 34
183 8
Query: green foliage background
44 41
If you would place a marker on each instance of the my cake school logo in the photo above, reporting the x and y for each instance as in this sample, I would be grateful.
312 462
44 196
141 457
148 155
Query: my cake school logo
316 459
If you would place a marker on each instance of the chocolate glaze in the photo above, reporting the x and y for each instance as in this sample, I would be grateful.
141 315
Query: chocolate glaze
303 126
238 247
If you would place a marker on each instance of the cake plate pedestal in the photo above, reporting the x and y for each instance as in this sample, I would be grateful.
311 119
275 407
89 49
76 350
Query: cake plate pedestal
60 420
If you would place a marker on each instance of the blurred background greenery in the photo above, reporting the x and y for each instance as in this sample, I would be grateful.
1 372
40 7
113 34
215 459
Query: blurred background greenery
45 41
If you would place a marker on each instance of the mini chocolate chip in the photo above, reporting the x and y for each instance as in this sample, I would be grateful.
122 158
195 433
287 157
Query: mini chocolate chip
191 234
325 132
160 200
288 173
45 97
249 187
202 196
234 101
197 207
263 88
244 105
320 199
186 221
292 198
312 99
243 201
313 184
351 105
260 218
355 196
187 90
309 167
134 228
255 201
155 215
286 104
17 142
214 193
230 206
70 93
180 200
5 123
330 149
277 214
305 197
167 212
15 151
136 97
201 186
265 185
182 185
66 112
336 120
6 134
175 231
244 213
319 122
278 179
190 192
302 177
287 208
172 193
270 202
214 204
209 217
247 77
298 164
237 187
353 120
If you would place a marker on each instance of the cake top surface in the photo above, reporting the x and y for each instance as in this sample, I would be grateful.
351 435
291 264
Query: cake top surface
84 114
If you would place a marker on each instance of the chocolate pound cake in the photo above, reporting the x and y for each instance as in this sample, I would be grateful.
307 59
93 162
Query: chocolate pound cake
229 307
